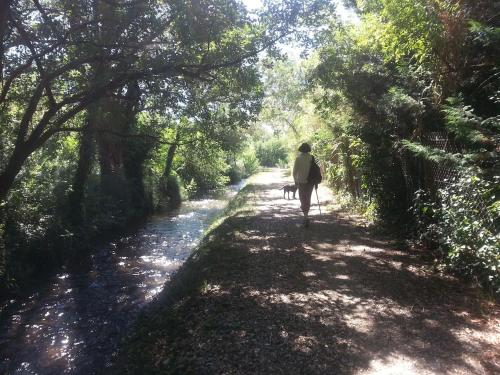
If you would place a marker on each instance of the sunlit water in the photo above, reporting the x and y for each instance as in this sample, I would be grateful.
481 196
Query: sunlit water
74 324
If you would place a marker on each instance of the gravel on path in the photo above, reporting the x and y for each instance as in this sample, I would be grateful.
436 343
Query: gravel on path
268 296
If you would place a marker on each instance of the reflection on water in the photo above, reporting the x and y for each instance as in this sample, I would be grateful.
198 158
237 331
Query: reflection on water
73 324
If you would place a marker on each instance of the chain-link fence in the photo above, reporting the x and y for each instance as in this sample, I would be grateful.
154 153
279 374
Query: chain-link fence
433 177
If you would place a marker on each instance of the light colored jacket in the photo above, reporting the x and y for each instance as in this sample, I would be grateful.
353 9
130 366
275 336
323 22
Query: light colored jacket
301 167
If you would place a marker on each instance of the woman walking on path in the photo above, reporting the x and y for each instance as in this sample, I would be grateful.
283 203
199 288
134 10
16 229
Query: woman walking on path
301 169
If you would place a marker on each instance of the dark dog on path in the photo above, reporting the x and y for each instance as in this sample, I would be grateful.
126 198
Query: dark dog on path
292 188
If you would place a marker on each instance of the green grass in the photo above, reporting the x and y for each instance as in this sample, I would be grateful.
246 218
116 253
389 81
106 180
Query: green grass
238 205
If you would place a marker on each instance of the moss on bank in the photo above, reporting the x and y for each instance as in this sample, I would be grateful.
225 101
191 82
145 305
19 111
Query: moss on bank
150 349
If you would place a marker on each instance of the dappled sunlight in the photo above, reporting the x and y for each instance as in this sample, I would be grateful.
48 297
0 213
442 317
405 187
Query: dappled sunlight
113 113
324 246
394 364
337 292
322 257
342 277
76 322
354 247
309 274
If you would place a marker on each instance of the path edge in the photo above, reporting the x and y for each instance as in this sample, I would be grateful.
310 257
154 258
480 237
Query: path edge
188 280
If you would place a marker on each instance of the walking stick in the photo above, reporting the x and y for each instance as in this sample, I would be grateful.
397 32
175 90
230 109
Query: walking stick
320 214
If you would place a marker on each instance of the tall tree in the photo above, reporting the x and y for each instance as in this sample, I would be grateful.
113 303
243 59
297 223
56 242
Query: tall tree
47 59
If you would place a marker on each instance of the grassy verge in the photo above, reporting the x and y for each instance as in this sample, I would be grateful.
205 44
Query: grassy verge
151 346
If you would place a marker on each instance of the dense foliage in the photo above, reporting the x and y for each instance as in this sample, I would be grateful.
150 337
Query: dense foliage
109 110
401 104
411 95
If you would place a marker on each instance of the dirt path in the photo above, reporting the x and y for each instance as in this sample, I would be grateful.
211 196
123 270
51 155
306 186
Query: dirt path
275 298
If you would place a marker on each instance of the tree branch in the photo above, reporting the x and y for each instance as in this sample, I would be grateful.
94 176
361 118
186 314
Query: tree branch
41 70
22 68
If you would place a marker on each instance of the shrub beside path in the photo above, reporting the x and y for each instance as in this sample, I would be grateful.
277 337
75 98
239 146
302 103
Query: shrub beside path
266 296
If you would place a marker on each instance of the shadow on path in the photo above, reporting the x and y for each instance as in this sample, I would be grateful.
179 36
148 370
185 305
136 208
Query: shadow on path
273 297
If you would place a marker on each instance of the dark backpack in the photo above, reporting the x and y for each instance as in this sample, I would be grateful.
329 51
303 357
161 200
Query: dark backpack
314 176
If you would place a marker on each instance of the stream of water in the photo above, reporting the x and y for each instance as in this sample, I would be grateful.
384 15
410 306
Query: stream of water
75 323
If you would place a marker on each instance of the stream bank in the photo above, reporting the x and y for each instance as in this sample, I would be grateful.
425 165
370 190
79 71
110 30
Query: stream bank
74 323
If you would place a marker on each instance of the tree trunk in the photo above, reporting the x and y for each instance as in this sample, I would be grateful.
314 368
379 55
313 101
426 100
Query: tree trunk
169 192
349 173
4 17
170 157
83 169
8 176
134 154
12 169
85 156
111 132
